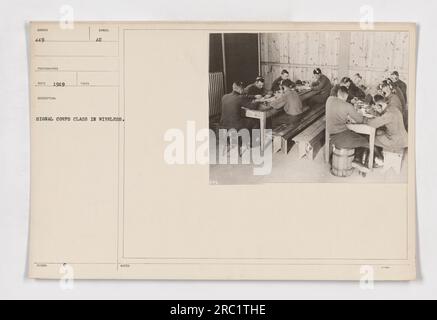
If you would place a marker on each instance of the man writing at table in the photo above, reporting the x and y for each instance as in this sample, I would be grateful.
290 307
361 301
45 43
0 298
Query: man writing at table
396 90
276 85
338 114
232 103
394 137
354 91
393 97
232 117
257 89
290 100
320 89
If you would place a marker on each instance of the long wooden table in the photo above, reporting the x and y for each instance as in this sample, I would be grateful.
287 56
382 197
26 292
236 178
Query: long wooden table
263 114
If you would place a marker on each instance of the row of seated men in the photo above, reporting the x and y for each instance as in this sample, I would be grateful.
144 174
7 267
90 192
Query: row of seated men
389 100
366 94
287 98
391 131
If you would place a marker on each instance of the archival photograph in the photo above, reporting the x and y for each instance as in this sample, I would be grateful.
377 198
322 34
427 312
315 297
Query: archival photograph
310 107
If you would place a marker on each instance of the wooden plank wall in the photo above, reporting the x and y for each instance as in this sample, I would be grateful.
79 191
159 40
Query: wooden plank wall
372 54
375 55
300 53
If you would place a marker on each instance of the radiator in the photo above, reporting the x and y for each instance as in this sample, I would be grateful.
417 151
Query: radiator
216 92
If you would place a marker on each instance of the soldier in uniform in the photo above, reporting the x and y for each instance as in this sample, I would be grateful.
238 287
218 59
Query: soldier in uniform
232 103
256 89
276 85
320 89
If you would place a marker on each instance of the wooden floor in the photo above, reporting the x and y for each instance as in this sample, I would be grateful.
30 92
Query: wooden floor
290 169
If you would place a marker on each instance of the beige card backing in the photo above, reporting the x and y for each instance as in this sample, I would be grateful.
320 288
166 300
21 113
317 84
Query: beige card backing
105 203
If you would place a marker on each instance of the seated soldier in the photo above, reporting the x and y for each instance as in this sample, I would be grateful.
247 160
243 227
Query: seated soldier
290 100
359 82
343 83
232 103
320 89
387 90
256 90
391 133
338 114
276 85
355 93
232 117
398 92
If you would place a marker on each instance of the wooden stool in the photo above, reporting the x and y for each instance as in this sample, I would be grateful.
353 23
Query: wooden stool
342 160
393 160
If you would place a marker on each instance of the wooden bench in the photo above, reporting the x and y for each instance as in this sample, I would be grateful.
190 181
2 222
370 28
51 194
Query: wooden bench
393 160
311 140
285 132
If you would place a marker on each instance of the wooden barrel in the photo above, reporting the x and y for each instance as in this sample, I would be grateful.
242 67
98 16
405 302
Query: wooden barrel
342 162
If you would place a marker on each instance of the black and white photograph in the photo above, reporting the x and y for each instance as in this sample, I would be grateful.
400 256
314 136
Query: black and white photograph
309 106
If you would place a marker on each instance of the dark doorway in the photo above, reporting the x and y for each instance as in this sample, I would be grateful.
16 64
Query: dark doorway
242 57
240 61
